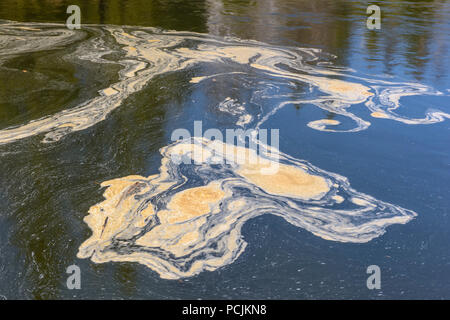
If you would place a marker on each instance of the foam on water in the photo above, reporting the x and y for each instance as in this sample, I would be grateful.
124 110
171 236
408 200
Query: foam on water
147 52
179 229
188 218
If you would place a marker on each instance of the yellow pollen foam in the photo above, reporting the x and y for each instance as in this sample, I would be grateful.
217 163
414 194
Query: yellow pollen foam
288 181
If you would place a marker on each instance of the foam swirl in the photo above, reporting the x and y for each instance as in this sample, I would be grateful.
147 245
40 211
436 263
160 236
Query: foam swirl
147 52
188 218
179 228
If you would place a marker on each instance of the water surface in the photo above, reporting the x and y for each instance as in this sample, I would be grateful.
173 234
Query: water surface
364 110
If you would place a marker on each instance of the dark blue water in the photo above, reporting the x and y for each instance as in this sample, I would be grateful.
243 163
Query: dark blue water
47 189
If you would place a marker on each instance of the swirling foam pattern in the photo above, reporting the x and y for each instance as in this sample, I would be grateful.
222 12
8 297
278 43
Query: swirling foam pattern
188 218
148 52
179 229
